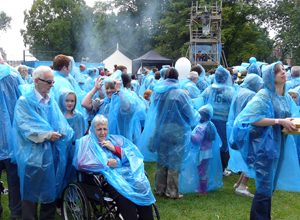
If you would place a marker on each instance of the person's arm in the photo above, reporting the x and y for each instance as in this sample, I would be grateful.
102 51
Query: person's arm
42 137
286 123
87 101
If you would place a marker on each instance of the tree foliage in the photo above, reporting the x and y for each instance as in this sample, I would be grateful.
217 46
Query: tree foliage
283 16
55 25
4 21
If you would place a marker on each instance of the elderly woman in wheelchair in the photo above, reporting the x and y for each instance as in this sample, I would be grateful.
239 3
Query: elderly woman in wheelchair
123 177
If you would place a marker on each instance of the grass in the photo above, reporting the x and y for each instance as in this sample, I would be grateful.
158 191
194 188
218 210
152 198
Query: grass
219 204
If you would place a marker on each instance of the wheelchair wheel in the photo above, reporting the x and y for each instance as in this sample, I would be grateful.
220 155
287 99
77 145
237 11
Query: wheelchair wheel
155 212
75 203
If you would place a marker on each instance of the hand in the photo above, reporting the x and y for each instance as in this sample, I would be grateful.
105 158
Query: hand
55 136
112 163
98 83
118 84
108 145
288 124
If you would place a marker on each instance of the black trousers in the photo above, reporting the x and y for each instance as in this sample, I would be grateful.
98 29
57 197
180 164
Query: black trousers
29 210
261 207
128 209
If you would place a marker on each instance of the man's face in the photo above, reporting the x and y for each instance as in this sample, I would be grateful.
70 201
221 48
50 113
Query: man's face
44 87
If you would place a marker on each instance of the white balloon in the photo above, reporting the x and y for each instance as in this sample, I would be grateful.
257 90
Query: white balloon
183 66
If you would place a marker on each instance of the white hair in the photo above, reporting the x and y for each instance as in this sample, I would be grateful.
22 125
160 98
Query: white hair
39 72
100 119
295 71
192 75
22 70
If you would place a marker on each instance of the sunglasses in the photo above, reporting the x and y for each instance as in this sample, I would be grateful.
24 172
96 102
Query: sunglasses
49 82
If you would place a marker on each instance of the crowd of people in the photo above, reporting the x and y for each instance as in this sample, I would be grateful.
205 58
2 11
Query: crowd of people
62 119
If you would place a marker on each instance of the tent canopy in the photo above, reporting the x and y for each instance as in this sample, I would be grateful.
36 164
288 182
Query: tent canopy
118 58
150 59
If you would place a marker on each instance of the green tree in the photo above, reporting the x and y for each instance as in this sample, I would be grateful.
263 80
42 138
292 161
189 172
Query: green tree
283 17
4 21
55 25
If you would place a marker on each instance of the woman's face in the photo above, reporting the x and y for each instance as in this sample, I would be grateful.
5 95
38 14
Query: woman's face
109 91
70 102
280 74
101 131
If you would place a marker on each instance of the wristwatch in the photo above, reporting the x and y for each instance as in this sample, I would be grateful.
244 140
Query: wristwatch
276 121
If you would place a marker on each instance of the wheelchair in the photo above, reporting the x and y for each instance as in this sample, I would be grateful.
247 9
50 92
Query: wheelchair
85 200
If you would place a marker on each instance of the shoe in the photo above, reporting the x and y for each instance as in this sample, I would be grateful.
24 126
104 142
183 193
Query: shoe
227 173
243 192
180 196
235 186
4 192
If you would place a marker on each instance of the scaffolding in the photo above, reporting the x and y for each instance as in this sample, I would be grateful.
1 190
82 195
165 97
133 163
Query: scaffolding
205 46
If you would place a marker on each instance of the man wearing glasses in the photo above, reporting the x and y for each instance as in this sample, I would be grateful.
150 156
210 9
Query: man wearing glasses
42 136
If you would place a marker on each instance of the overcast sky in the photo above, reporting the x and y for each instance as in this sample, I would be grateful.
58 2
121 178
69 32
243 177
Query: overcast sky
11 40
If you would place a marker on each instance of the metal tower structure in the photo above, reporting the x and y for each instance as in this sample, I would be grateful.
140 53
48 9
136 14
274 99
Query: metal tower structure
205 46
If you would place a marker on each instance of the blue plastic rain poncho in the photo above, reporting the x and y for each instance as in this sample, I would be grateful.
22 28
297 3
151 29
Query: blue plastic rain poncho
254 68
77 122
79 125
125 112
146 82
152 84
9 94
220 95
61 81
128 178
293 83
162 73
75 73
168 125
202 83
204 170
251 85
135 85
190 87
41 166
270 153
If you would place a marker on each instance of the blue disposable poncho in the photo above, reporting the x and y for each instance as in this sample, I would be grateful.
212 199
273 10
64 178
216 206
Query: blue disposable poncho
254 68
9 94
152 84
79 125
146 82
266 150
201 84
190 87
135 85
162 72
220 95
61 81
41 166
77 122
251 85
204 170
75 73
293 83
128 178
124 115
168 125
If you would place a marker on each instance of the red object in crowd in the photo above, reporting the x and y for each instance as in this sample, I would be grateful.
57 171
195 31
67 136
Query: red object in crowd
102 73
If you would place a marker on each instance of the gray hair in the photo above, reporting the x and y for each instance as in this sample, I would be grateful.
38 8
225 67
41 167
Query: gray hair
192 75
39 72
23 70
100 119
295 71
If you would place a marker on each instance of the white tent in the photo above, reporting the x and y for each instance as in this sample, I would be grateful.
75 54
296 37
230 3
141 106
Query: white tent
118 58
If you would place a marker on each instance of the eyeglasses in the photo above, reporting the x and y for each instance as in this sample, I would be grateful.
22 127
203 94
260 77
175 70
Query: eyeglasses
49 82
